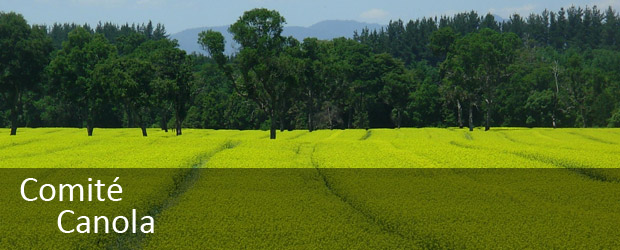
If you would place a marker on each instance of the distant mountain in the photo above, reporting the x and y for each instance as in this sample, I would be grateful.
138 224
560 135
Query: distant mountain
325 30
499 19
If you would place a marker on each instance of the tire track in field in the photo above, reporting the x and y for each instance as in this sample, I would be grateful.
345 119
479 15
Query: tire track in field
13 144
468 136
400 148
367 135
585 171
515 140
184 182
298 135
382 225
51 131
547 137
51 151
541 146
592 138
461 145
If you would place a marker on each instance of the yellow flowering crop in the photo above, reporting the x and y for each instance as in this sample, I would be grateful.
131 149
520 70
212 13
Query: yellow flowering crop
331 189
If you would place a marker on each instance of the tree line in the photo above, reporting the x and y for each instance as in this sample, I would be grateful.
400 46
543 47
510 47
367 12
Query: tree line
554 69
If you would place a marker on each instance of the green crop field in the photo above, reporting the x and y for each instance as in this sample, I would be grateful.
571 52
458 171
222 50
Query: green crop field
338 189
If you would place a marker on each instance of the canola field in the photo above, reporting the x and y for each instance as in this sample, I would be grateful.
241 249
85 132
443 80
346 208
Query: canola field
339 189
380 148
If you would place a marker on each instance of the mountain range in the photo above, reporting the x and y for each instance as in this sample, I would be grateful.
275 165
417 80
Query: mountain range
325 30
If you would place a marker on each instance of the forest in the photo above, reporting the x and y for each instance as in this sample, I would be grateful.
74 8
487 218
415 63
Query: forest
552 69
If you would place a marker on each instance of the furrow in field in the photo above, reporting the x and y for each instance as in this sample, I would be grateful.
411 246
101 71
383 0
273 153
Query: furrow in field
404 150
383 225
584 170
237 204
505 135
185 181
592 138
298 135
424 242
18 143
344 199
367 135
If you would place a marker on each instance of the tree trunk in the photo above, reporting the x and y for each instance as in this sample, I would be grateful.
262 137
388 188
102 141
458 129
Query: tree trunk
471 117
131 122
90 122
14 112
281 123
14 120
13 129
310 111
583 116
143 130
398 119
164 123
310 122
487 127
89 129
329 116
488 118
272 130
350 118
178 123
460 113
555 107
556 72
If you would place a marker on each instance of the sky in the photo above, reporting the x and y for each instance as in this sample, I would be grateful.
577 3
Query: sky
184 14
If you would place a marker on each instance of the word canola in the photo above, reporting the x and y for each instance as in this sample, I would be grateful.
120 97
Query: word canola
69 222
120 224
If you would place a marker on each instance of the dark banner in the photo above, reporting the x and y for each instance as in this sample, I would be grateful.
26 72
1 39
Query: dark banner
309 208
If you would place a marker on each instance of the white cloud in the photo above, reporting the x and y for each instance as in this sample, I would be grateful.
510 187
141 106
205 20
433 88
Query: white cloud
509 11
104 3
149 2
374 14
604 4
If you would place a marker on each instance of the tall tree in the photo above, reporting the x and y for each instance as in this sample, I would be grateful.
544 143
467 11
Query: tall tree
478 63
25 52
258 33
441 41
129 82
352 81
396 84
489 22
310 82
577 86
558 29
611 33
173 77
72 72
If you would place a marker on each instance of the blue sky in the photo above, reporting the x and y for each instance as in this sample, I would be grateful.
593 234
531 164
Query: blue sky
183 14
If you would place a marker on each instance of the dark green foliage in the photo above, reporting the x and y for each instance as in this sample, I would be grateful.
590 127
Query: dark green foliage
72 72
266 66
128 81
553 69
172 78
23 55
